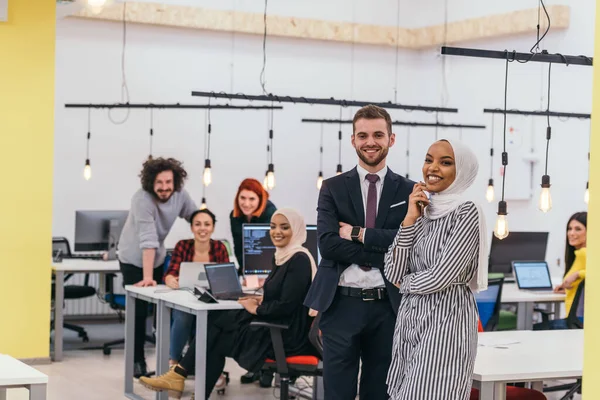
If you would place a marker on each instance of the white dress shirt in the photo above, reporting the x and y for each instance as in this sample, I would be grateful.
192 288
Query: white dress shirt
354 276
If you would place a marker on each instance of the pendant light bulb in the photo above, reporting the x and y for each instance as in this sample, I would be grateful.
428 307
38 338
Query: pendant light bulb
545 201
207 176
271 177
586 196
489 193
338 171
501 227
203 206
320 180
87 170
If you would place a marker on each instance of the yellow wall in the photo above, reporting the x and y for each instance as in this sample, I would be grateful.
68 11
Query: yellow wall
26 163
591 365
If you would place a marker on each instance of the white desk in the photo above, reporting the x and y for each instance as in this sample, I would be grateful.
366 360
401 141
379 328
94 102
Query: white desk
72 266
14 374
167 300
526 301
526 356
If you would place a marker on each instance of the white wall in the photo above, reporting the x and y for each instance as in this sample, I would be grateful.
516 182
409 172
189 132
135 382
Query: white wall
164 65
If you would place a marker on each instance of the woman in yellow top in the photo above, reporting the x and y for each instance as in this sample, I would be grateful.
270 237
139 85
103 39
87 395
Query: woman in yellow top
575 257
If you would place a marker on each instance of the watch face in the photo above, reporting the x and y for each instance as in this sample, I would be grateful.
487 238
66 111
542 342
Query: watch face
355 231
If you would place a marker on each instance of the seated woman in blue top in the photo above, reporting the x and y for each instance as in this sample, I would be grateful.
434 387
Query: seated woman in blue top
229 333
199 249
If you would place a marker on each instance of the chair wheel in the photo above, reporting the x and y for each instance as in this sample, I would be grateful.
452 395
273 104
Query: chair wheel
86 339
106 351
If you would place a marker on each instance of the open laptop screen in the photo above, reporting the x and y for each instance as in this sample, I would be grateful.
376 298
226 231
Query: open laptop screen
532 274
223 278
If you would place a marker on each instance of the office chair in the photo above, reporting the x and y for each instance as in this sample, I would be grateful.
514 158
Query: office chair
60 246
489 302
573 321
295 366
116 301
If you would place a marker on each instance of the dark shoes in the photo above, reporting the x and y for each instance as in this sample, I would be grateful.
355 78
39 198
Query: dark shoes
250 377
265 378
139 369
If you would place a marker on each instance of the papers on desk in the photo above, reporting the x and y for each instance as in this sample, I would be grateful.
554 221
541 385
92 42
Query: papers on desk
498 344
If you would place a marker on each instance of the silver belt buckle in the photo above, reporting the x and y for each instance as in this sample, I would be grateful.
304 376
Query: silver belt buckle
364 291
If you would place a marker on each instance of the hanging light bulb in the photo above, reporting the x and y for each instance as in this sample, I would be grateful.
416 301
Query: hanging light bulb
265 181
87 170
203 206
545 202
96 6
489 193
339 169
207 176
320 180
271 177
586 196
501 228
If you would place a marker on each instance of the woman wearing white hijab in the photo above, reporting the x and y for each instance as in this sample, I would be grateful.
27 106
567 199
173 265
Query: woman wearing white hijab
437 259
229 333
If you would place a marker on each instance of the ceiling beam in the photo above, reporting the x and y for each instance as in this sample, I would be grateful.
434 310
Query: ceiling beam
492 26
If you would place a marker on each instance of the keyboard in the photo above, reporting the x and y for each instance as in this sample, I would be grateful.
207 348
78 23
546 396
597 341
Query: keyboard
85 256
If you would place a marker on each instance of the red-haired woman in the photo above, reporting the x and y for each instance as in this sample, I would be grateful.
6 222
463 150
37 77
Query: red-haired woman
251 206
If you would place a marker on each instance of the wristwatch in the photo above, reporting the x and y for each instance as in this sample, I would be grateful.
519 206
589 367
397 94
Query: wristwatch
355 233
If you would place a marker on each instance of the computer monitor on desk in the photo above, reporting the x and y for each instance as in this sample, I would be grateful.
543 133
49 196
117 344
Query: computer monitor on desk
259 249
517 246
99 231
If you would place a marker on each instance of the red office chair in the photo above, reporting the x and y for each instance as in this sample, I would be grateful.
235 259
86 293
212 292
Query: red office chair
295 366
512 392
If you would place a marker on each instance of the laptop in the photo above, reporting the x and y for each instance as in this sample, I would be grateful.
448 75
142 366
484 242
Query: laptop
532 275
223 281
192 274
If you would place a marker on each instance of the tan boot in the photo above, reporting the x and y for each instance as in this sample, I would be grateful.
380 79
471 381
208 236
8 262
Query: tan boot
171 381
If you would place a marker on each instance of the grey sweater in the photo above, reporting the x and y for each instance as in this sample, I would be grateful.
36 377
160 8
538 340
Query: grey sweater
148 224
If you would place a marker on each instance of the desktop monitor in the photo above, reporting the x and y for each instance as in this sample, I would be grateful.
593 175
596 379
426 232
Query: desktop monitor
259 250
98 230
522 246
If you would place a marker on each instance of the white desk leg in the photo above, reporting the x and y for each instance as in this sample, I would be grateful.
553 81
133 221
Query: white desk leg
525 316
538 385
2 393
129 338
59 296
492 391
163 333
200 388
37 392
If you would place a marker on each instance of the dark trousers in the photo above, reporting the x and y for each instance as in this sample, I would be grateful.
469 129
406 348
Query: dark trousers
220 334
132 275
352 330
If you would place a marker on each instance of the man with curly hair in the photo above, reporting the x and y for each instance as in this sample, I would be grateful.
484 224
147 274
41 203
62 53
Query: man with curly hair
154 209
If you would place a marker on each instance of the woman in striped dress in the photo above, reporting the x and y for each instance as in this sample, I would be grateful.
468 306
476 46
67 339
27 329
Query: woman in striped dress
435 260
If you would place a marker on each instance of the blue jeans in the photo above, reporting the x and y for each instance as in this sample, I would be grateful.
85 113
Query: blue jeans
182 327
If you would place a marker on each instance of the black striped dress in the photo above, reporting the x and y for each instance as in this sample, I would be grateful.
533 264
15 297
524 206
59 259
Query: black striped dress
435 340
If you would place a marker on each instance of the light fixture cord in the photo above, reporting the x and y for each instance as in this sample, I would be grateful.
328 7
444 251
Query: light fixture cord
492 150
151 129
321 151
87 144
504 153
548 131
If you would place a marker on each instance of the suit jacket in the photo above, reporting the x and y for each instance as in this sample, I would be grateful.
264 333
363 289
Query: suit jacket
340 200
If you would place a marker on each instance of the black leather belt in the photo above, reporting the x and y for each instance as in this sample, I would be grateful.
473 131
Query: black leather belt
364 294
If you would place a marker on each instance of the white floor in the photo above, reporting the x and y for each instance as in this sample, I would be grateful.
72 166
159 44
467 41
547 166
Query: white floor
90 375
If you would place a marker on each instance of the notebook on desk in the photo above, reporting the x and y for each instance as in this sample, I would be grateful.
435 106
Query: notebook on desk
223 281
532 276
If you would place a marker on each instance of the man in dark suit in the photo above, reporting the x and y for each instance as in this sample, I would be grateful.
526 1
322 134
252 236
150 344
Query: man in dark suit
359 213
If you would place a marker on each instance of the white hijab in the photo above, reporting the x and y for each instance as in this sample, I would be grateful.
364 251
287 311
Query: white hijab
445 202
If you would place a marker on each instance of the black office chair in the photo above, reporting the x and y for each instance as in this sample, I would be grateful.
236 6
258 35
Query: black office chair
293 367
61 248
573 322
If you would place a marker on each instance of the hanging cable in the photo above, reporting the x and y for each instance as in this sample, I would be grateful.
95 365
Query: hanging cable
545 201
207 175
124 87
489 194
407 152
87 169
320 176
501 227
264 50
339 166
397 48
233 8
151 132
